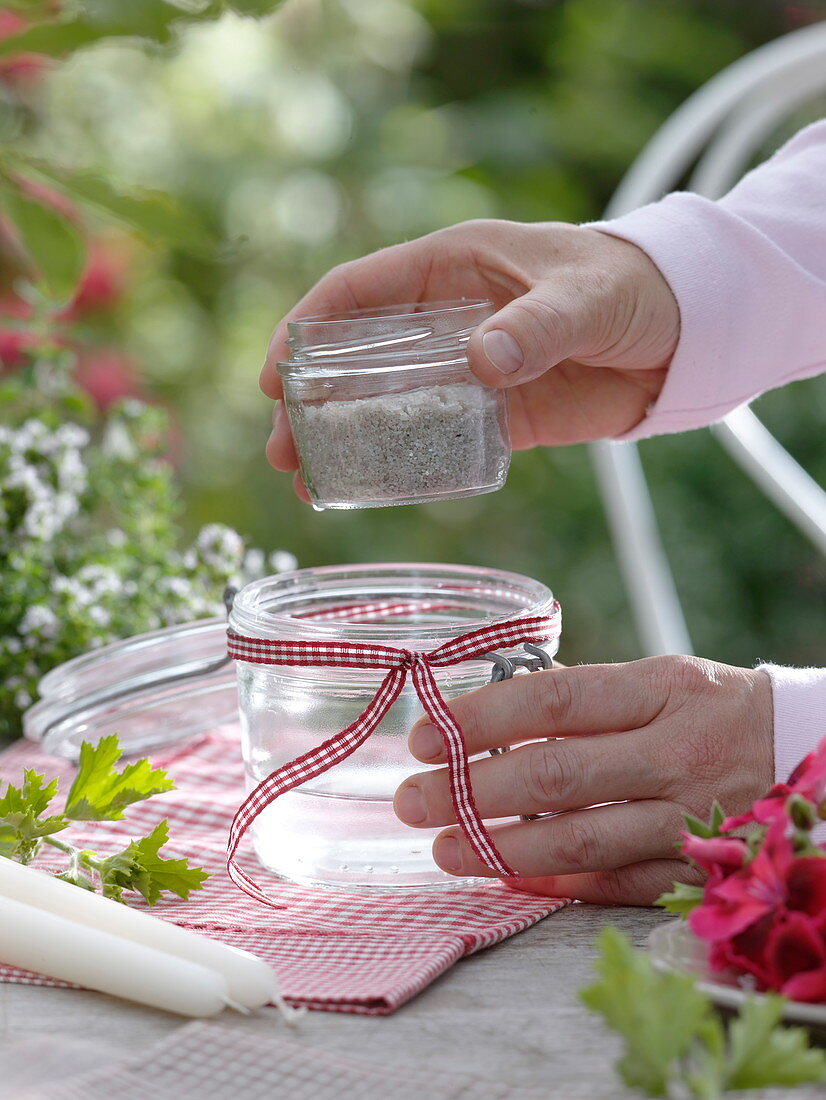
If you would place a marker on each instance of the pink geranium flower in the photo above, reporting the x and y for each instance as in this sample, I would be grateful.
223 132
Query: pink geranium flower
746 953
806 885
764 914
796 957
808 780
757 889
716 854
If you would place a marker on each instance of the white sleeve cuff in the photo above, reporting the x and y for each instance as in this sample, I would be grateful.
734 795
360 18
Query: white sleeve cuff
799 696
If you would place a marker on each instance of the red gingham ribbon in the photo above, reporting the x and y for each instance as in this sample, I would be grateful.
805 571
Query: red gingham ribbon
466 647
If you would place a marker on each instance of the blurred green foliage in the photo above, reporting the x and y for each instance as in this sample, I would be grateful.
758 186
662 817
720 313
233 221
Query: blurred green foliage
338 126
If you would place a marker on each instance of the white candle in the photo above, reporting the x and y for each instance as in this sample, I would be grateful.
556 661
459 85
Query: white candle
250 982
35 939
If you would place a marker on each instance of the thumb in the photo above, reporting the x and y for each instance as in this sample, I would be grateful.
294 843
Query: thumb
533 333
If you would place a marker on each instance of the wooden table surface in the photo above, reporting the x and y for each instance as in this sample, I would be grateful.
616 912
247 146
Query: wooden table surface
510 1013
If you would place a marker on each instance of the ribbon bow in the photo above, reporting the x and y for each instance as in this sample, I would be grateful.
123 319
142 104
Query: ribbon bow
400 663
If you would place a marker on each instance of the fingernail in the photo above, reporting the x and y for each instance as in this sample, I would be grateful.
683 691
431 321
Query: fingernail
446 853
503 351
425 742
409 806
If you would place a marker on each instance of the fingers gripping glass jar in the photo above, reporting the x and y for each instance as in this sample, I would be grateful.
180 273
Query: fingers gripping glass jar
339 828
385 410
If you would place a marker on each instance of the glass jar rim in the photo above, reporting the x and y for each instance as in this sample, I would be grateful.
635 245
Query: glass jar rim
403 337
151 689
397 311
260 609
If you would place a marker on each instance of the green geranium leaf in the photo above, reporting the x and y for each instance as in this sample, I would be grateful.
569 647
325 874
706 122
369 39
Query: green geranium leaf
682 899
699 828
100 792
77 878
141 867
675 1044
631 997
760 1053
22 824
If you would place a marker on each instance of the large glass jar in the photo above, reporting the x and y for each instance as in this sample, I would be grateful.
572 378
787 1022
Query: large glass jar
385 410
339 828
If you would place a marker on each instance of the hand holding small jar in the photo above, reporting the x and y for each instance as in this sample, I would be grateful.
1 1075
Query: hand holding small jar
582 334
632 748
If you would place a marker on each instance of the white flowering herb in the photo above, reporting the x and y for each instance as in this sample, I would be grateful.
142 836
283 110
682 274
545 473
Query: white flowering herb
89 543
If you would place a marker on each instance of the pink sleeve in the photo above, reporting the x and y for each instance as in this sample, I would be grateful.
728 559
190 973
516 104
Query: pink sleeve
749 275
799 714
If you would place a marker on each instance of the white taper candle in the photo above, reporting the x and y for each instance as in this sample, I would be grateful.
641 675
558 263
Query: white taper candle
35 939
250 982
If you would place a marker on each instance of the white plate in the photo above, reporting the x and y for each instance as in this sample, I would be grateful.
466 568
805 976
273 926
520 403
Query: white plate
674 947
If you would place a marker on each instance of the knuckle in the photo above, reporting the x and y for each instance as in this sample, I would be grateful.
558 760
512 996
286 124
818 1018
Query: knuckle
468 714
694 688
472 226
613 887
687 676
545 776
555 699
553 326
575 844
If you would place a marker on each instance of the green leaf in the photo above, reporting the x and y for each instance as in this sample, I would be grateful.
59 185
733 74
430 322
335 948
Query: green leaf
77 878
52 39
101 793
671 1032
140 867
682 899
21 823
762 1054
52 243
256 8
717 818
700 828
658 1015
705 1066
152 20
696 827
156 217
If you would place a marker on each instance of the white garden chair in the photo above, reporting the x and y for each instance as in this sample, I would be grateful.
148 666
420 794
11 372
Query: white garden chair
720 127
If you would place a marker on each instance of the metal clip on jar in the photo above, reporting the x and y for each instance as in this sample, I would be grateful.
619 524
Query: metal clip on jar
385 410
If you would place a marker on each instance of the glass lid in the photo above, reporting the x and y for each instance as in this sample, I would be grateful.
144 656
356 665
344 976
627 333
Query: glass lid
150 690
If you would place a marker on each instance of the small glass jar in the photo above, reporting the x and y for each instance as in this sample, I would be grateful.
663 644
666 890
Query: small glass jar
339 829
385 410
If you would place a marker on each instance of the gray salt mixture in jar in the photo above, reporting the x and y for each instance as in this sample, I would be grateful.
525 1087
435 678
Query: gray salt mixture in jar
385 410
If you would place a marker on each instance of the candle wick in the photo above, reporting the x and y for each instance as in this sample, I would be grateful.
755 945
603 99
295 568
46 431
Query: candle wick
291 1015
236 1006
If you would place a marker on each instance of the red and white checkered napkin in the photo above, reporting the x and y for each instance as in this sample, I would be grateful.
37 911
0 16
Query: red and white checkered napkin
333 951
